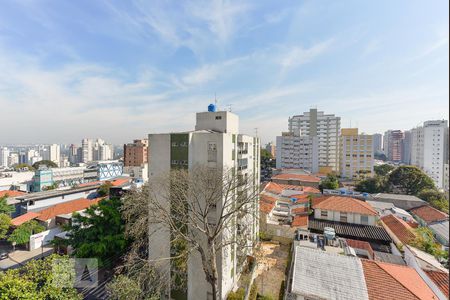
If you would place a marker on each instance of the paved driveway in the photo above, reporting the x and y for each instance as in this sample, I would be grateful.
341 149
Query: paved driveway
20 257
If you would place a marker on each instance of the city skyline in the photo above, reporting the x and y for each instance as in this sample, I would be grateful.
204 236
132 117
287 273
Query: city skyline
120 71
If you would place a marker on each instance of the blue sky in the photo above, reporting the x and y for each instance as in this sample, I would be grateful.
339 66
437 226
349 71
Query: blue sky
123 69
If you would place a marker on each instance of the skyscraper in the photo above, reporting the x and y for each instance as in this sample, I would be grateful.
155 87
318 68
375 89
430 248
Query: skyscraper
393 145
326 128
87 150
406 148
377 142
297 152
215 143
4 154
356 154
54 153
429 149
135 154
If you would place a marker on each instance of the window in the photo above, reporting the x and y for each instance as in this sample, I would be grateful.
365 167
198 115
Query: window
324 213
365 220
343 217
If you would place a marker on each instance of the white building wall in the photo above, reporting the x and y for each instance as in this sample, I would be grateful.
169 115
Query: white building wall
351 217
54 154
297 152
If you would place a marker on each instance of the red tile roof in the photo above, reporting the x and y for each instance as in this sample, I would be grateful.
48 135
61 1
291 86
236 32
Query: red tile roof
390 281
311 190
273 188
299 210
24 218
114 182
299 177
400 228
267 198
346 204
278 188
10 193
317 200
300 221
360 245
429 214
266 203
441 279
66 208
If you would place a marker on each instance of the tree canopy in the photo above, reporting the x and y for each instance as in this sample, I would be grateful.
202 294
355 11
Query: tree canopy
103 190
18 167
436 199
410 180
5 222
5 208
21 235
330 182
48 163
38 280
371 185
383 170
265 154
99 232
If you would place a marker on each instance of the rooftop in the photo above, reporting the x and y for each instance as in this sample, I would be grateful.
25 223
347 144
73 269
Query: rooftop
24 218
399 228
403 201
65 208
353 231
389 258
441 228
300 177
300 221
55 193
429 214
11 193
324 275
360 245
391 281
431 262
441 279
346 204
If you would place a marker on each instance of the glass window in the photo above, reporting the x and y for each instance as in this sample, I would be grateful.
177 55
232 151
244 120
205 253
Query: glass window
364 219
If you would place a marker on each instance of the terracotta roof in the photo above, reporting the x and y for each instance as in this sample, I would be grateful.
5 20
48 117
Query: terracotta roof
429 214
273 188
441 279
278 188
390 281
266 207
300 221
303 198
311 190
66 208
299 210
114 182
24 218
267 198
361 245
346 204
399 227
10 193
300 177
317 200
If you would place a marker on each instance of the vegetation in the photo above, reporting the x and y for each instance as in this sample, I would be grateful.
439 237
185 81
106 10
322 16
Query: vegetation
371 185
38 280
103 190
48 163
5 222
238 295
410 180
383 170
20 167
282 289
253 292
123 287
330 182
264 236
265 154
425 241
21 235
5 208
99 233
436 199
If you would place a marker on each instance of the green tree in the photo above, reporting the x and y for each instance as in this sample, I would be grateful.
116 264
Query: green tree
383 170
123 287
5 222
103 190
99 232
410 180
48 163
5 208
425 241
39 280
330 182
21 235
18 167
371 185
265 154
436 199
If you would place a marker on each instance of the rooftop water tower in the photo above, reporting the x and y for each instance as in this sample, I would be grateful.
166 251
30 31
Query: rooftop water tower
212 108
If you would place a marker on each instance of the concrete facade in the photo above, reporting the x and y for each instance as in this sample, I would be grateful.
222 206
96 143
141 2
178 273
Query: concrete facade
297 152
356 154
352 218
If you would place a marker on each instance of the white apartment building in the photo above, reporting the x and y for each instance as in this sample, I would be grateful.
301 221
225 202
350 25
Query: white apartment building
326 128
55 153
102 150
215 143
446 177
295 151
87 150
356 154
4 154
429 149
13 159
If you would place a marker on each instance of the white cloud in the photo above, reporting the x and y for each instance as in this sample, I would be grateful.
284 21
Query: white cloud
298 55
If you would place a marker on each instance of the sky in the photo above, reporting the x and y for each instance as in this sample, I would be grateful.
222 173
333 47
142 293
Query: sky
122 69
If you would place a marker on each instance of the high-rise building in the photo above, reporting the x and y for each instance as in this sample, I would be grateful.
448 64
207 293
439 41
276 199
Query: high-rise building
4 154
429 149
326 128
215 143
54 153
135 154
87 148
406 148
393 145
377 142
356 154
13 159
295 151
74 155
446 177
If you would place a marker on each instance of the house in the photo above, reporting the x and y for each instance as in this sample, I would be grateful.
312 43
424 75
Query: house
297 179
392 281
440 231
426 215
398 229
362 248
318 274
346 210
431 271
406 202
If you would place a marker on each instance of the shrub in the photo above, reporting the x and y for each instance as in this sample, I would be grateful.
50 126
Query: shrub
253 292
238 295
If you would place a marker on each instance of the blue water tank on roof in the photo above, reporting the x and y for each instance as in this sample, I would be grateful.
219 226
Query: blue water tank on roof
211 108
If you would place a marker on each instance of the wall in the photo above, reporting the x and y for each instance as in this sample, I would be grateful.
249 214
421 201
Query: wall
36 240
351 217
41 204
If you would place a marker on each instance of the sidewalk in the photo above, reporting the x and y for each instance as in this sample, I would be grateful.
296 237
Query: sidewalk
19 257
